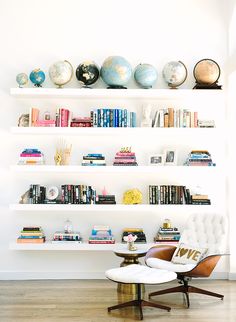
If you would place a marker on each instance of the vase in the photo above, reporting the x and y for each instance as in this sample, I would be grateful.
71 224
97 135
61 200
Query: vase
131 246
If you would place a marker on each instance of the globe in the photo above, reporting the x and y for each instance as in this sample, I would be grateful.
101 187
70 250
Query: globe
21 79
145 75
61 72
87 73
174 73
37 77
116 71
206 71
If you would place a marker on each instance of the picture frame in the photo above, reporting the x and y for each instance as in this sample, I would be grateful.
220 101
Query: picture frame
170 157
156 159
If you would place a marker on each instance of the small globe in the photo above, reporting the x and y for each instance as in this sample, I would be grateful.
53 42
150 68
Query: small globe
145 75
174 73
61 72
206 72
37 77
116 71
22 79
87 73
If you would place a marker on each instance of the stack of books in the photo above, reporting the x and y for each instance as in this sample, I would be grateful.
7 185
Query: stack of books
199 158
101 235
61 236
141 238
94 159
31 235
106 200
107 117
31 156
167 235
124 158
206 123
200 200
81 122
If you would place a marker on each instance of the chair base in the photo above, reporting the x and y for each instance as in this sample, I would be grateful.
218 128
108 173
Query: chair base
139 302
186 289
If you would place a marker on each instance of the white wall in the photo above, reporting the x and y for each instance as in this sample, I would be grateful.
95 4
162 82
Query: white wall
38 33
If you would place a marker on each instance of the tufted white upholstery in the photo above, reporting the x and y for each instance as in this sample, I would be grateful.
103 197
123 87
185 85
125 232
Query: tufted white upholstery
139 274
162 264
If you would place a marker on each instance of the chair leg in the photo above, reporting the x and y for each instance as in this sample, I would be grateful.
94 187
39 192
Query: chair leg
187 299
159 306
122 305
193 289
169 290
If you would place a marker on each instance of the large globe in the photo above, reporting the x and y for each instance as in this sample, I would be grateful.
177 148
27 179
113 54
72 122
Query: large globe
206 72
21 79
37 77
61 72
116 71
145 75
174 73
87 73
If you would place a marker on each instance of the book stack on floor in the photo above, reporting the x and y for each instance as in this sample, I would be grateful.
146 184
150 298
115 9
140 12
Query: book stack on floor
70 237
94 159
125 158
31 156
101 235
167 235
199 158
199 199
106 200
81 122
141 238
31 235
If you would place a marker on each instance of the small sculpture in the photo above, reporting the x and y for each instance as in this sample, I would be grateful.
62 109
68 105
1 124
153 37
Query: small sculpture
63 153
23 120
24 198
21 79
130 239
132 197
146 116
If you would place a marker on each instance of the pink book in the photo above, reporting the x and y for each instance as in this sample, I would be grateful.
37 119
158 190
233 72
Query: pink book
30 155
125 153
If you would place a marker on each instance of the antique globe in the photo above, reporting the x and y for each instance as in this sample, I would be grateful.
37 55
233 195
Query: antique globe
61 72
21 79
206 72
87 73
174 73
145 75
37 77
116 71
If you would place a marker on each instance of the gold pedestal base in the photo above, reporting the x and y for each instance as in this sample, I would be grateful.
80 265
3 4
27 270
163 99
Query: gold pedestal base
131 289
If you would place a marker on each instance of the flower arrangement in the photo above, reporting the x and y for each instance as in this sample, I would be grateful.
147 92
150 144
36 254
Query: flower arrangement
130 239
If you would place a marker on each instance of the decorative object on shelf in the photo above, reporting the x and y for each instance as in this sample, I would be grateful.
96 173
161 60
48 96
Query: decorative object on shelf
52 193
130 239
146 116
132 197
145 75
31 156
206 73
206 123
116 71
87 73
22 79
125 157
157 159
31 235
167 224
174 73
46 116
199 158
138 232
61 72
24 199
167 233
170 157
37 77
63 153
68 227
23 120
101 235
104 191
93 159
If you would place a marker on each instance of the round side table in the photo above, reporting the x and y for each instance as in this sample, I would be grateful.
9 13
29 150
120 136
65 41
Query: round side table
130 257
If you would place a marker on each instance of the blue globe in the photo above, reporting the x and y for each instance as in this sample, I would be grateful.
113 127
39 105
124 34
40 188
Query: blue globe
37 77
116 71
145 75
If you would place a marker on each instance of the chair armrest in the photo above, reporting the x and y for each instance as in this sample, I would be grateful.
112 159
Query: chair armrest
164 252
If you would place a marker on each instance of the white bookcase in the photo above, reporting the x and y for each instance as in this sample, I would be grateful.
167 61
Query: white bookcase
210 104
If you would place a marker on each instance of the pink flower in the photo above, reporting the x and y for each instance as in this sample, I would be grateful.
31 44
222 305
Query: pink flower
130 238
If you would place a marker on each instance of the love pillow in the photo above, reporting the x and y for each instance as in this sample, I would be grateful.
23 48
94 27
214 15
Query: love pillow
185 254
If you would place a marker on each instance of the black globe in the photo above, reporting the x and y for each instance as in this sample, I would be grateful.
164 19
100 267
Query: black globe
87 73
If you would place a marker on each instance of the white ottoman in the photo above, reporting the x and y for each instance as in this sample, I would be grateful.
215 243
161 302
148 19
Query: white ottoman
139 274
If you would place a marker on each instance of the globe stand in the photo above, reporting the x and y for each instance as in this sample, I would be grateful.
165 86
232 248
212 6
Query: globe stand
116 87
206 86
38 85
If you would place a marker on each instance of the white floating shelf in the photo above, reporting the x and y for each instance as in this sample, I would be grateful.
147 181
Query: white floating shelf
111 93
79 247
111 131
93 208
108 169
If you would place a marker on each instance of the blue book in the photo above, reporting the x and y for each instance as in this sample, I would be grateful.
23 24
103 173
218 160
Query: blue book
120 118
125 118
99 118
94 155
133 114
116 117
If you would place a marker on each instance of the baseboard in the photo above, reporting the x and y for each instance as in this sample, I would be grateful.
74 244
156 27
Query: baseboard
82 275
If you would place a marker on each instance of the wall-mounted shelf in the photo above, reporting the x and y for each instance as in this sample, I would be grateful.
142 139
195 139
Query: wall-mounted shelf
111 93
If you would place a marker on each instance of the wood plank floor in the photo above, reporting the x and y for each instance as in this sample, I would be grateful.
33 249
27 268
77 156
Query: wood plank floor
87 301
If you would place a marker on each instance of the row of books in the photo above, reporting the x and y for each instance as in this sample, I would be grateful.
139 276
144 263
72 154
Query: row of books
199 158
106 117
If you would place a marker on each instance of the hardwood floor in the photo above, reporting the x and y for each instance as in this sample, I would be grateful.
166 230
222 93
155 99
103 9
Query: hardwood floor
87 301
